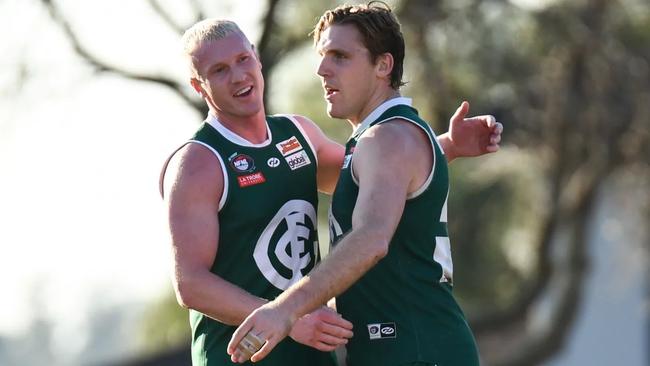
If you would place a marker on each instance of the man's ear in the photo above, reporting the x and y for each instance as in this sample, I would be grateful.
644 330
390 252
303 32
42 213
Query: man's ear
384 65
196 84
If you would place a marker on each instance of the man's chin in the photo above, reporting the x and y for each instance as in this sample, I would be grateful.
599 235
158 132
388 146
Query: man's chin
334 114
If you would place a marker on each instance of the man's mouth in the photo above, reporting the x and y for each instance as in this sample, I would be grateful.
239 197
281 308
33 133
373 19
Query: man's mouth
329 91
244 92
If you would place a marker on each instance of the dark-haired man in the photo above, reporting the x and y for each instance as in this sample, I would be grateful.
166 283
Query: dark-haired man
391 267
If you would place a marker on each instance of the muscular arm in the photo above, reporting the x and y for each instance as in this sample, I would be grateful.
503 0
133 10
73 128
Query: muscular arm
384 182
192 206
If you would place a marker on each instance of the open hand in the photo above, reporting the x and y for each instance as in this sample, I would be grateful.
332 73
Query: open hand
473 136
323 329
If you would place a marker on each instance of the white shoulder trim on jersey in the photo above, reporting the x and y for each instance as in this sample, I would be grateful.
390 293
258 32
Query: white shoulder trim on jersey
293 119
354 177
380 110
224 195
233 137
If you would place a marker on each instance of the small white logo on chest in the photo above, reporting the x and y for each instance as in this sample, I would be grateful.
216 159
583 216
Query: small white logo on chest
273 162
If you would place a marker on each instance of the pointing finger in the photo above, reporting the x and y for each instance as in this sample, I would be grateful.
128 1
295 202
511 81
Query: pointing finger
461 112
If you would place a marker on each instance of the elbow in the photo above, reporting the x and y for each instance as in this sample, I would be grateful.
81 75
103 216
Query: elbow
378 248
377 241
185 293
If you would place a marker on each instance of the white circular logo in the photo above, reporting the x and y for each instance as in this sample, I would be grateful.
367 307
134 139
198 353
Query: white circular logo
387 330
273 162
288 246
242 163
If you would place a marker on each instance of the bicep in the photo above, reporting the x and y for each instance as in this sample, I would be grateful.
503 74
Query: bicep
380 165
192 209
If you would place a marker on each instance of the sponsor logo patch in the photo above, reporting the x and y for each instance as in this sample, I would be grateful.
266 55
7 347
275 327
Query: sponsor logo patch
289 146
251 179
242 163
382 330
297 160
273 162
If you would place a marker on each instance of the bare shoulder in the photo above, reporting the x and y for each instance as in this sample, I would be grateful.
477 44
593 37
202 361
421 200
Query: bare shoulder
397 152
311 128
304 121
397 136
316 135
194 171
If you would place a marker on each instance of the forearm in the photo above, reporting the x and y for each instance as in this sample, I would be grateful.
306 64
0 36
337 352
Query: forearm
217 298
350 260
327 178
447 146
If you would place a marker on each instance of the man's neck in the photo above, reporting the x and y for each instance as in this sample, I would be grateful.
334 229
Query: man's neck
374 101
251 128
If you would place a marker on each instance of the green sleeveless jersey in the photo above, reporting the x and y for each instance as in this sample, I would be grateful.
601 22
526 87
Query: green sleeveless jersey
402 309
267 229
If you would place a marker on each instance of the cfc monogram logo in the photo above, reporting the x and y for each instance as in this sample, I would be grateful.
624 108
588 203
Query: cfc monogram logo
287 249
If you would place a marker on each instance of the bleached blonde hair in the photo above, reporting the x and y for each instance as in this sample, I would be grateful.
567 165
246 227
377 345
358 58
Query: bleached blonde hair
211 29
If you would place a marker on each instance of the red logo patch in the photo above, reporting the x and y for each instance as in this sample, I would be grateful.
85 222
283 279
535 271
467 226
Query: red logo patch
289 146
251 179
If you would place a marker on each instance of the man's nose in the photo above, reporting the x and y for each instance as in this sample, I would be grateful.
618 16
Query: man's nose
322 69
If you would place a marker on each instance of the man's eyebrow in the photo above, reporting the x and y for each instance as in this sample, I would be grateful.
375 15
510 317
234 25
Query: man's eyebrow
326 50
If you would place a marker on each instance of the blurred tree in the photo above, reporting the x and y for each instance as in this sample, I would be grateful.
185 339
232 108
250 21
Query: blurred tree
571 82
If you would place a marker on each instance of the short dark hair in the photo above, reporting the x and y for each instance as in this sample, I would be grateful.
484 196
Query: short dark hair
380 32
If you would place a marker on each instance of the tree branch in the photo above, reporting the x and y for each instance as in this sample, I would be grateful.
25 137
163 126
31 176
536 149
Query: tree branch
198 12
102 66
268 23
166 17
264 45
